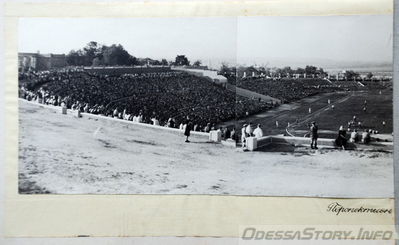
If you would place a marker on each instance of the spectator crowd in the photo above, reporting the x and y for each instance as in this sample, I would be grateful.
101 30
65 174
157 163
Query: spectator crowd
289 89
164 99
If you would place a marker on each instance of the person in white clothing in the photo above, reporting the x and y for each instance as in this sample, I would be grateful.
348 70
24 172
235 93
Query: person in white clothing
366 137
249 130
116 112
258 132
155 121
354 136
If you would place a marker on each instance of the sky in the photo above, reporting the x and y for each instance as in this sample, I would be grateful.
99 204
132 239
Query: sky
328 40
206 39
264 40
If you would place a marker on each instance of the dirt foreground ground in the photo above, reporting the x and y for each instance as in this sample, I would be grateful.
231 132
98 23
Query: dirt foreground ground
62 154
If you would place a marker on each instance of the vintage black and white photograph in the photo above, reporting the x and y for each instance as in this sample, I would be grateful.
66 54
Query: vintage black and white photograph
262 105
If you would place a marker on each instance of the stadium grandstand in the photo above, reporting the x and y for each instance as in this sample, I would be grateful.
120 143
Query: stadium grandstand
289 89
161 96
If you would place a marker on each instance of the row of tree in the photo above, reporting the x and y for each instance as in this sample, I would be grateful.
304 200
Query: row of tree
95 54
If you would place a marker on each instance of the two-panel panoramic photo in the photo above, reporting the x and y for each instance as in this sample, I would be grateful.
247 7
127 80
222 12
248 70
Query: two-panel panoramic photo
250 106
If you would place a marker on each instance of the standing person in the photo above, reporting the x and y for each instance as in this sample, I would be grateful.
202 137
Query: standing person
233 134
116 112
258 132
207 129
222 131
188 128
124 113
139 118
366 137
227 133
354 136
243 135
314 135
171 123
155 121
341 139
249 130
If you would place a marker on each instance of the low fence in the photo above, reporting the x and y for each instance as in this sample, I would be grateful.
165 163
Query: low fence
79 114
253 143
156 127
256 143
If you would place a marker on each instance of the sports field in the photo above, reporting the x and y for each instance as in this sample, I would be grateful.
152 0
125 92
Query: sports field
346 105
379 109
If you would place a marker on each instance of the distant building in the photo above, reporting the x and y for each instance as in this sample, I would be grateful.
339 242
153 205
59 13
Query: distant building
39 62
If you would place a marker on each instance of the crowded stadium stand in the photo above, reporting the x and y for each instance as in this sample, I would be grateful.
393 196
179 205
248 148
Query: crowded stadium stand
119 70
163 98
290 89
